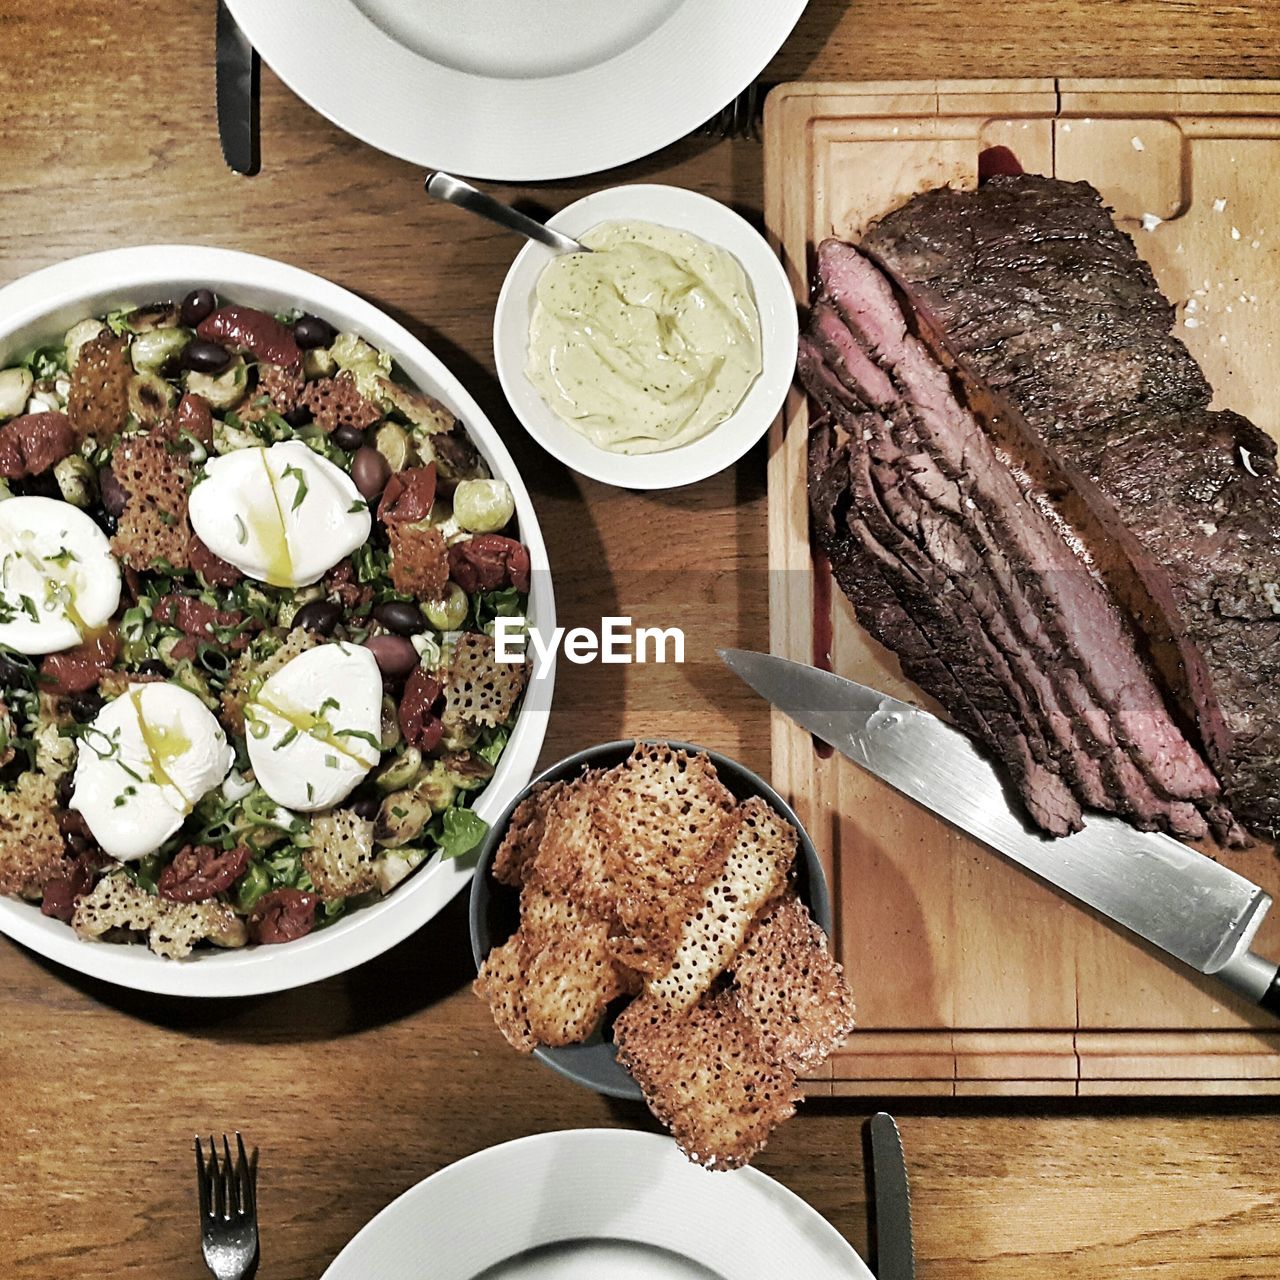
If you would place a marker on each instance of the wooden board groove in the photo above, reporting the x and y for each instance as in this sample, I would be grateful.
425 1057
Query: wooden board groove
971 977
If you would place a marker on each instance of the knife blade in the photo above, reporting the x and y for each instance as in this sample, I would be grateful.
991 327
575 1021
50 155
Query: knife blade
891 1206
1193 908
236 79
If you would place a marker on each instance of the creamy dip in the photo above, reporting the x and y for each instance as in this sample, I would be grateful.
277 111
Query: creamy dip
647 343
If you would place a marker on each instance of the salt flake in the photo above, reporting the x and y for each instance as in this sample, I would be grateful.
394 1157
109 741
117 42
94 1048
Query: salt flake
1138 144
1219 204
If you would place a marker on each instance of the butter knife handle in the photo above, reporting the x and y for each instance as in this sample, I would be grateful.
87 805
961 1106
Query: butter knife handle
1255 978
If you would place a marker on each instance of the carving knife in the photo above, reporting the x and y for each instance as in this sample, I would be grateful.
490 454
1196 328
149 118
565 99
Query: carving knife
895 1254
236 76
1198 911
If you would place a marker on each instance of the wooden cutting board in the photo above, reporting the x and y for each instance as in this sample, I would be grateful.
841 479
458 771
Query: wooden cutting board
971 978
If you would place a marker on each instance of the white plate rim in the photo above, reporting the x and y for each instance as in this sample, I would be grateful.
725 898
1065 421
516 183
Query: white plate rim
602 1163
519 129
720 225
123 273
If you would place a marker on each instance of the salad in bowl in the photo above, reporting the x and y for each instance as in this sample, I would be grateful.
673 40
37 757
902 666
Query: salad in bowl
250 564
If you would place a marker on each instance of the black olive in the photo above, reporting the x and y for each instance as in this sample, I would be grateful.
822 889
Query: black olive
205 357
366 807
84 706
298 416
401 617
152 667
114 495
348 437
196 305
66 788
311 331
319 615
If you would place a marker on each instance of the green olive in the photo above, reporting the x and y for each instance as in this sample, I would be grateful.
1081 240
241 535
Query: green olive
483 506
318 362
450 611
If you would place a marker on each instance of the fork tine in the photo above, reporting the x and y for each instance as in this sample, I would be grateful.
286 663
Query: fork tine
202 1180
246 1176
219 1187
229 1179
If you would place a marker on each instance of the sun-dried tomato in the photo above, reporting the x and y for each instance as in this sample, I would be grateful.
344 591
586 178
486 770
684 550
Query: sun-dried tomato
489 562
419 711
212 568
409 495
254 330
32 443
340 582
199 872
283 915
75 670
200 621
61 892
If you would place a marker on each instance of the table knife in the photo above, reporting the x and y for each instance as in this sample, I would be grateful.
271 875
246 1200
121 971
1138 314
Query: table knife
236 76
895 1254
1191 907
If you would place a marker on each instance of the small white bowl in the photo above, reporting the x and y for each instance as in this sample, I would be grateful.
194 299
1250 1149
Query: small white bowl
40 307
723 445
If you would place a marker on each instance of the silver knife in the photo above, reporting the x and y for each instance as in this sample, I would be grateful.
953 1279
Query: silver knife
236 74
1190 906
895 1254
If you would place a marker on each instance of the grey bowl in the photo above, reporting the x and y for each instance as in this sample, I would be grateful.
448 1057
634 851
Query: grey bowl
495 907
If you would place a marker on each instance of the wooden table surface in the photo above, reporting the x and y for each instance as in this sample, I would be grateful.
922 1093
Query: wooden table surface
359 1087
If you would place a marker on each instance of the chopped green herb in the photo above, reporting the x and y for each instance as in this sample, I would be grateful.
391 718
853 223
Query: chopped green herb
330 761
242 534
288 738
363 734
295 473
29 608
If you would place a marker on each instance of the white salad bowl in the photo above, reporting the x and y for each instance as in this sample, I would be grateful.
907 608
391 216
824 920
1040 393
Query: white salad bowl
39 308
779 330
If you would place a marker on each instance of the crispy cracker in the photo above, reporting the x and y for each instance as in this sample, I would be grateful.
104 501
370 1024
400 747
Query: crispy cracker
788 984
98 398
419 559
31 846
340 858
282 385
480 689
705 1076
172 928
335 402
246 671
571 857
661 815
761 849
520 844
552 980
501 985
157 478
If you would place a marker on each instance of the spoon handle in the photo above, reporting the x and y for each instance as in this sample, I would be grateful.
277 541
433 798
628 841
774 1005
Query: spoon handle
453 190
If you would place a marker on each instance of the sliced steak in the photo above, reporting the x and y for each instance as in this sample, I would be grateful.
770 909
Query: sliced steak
1062 341
1062 612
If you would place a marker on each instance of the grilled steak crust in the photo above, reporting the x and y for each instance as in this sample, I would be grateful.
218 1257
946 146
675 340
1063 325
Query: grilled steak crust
1062 340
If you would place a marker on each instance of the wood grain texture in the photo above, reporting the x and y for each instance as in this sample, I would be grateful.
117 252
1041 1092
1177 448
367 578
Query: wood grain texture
359 1087
1010 986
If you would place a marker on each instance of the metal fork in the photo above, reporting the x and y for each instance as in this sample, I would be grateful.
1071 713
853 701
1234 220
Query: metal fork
740 118
228 1210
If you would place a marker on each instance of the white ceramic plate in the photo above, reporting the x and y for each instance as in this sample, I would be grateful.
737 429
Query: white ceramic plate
516 90
42 306
591 1203
725 444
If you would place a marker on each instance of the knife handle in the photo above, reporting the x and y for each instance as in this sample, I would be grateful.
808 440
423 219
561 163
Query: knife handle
1271 996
